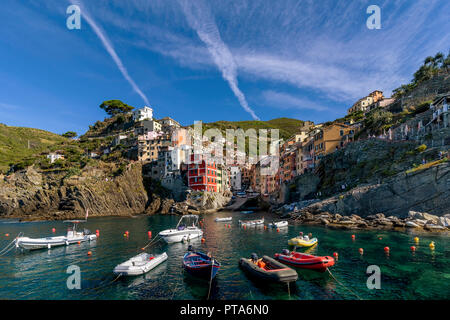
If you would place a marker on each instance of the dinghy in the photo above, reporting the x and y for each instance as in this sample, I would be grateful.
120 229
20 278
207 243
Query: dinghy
278 224
305 261
302 242
73 236
251 223
267 269
140 264
247 212
200 264
223 219
186 229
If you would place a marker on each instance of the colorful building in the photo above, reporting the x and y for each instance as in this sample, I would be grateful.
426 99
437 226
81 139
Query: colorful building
202 174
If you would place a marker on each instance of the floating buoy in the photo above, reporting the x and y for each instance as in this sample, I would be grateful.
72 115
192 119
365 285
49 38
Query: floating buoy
124 234
413 248
203 240
229 226
353 236
7 235
301 233
53 230
416 239
79 242
380 238
89 253
149 234
278 229
361 250
245 227
386 249
142 248
97 231
431 245
265 227
336 255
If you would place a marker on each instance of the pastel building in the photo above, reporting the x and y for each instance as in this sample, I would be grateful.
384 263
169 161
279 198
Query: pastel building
142 114
202 173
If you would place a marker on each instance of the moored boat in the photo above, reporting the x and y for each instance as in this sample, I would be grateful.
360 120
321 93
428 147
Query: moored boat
223 219
72 236
140 264
200 264
267 269
279 224
186 229
247 211
302 242
251 223
305 261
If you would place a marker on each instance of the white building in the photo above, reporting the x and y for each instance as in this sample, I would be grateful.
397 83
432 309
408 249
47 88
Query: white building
54 156
143 113
235 178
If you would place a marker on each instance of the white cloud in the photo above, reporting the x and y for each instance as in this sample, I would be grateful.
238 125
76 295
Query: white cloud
200 19
110 49
284 100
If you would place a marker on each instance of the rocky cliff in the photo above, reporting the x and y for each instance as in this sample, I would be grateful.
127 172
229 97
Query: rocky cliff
35 194
426 190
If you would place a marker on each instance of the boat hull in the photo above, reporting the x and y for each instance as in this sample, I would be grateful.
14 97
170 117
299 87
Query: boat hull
279 272
302 243
306 261
50 242
203 269
173 235
130 268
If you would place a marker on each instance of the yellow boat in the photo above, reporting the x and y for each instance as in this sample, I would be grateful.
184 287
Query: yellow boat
300 242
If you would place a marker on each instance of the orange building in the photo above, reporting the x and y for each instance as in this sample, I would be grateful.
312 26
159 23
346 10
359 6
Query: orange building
330 138
202 174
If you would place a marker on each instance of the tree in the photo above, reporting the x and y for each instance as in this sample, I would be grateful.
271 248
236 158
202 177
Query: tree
114 107
70 134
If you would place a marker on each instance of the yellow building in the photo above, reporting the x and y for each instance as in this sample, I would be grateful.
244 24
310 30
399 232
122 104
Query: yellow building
363 104
331 138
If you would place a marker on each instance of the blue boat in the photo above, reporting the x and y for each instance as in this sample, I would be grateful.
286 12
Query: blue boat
200 264
247 212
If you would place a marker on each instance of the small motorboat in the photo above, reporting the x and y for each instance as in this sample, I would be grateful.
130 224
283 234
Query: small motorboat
223 219
251 223
72 236
278 224
200 264
186 229
247 212
268 269
302 242
305 261
140 264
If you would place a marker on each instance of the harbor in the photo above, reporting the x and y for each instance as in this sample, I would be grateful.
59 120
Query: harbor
421 273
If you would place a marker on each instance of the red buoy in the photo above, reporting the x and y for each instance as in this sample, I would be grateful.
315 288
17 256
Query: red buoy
53 230
413 248
89 253
203 240
278 230
7 235
353 236
386 249
336 255
149 234
361 250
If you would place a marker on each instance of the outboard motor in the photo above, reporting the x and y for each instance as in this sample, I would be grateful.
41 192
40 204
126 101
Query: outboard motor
285 252
254 257
190 247
86 231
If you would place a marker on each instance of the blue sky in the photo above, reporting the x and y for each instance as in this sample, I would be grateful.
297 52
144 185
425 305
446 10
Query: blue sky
207 60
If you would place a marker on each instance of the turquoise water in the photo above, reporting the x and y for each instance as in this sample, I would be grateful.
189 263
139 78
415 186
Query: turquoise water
41 274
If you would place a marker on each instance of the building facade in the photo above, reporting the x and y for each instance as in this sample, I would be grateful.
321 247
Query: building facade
142 114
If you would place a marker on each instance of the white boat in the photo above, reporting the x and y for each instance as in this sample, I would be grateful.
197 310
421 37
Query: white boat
140 264
223 219
251 223
278 224
186 229
73 236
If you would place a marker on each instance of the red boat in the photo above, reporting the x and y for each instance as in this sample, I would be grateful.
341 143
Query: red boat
305 261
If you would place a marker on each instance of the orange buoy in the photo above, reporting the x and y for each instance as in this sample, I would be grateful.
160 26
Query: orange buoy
7 235
53 230
229 226
142 248
416 239
89 253
413 248
265 227
336 255
361 250
203 240
79 242
149 234
97 231
278 229
353 236
386 249
431 245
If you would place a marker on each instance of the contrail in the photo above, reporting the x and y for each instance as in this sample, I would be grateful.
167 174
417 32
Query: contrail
203 23
108 46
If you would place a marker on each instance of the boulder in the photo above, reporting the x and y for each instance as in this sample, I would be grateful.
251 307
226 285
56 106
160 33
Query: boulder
444 221
423 216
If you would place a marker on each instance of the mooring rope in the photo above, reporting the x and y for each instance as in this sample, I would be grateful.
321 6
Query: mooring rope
153 241
106 285
210 278
7 249
343 284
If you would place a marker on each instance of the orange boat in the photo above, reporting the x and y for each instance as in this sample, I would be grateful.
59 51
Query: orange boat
305 261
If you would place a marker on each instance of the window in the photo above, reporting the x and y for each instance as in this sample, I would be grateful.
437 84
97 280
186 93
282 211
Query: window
341 132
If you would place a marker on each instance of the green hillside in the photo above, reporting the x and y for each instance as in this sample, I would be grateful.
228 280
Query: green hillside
287 126
18 143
